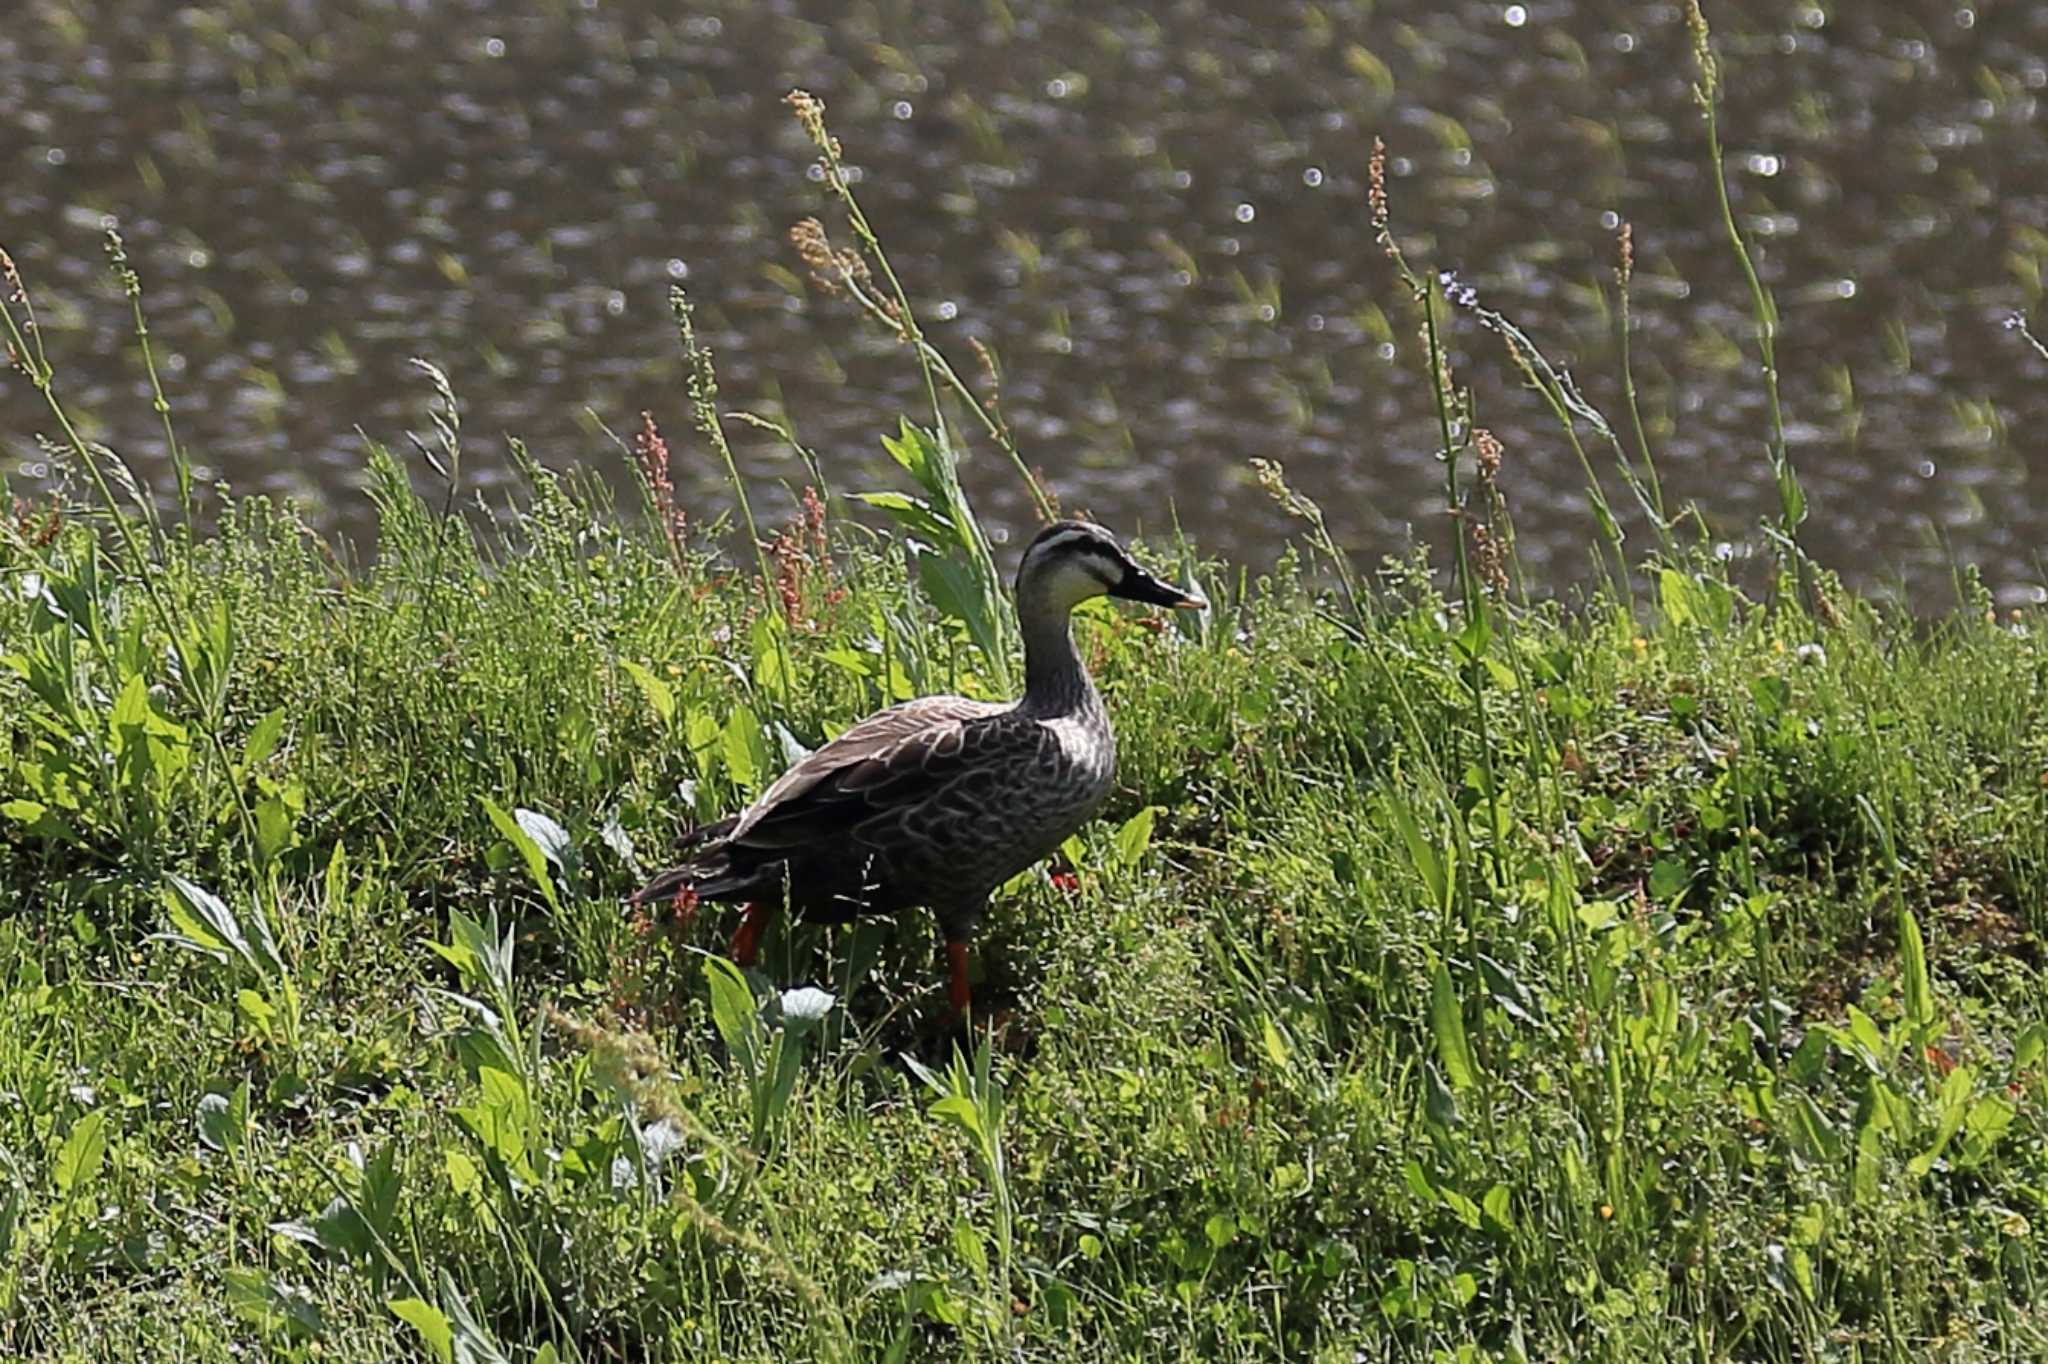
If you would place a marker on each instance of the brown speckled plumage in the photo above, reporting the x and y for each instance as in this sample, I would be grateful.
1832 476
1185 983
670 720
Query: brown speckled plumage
940 800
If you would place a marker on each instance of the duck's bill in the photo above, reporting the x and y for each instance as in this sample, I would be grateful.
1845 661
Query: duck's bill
1138 585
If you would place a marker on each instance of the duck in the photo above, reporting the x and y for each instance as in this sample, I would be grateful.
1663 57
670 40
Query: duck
938 801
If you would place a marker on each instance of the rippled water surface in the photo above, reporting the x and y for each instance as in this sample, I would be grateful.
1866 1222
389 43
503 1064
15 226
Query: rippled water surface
1154 214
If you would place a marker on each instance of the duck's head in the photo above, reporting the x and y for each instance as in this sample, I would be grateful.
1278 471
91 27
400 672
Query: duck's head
1070 561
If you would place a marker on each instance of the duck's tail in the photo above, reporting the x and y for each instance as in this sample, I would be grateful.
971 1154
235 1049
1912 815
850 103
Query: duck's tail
706 876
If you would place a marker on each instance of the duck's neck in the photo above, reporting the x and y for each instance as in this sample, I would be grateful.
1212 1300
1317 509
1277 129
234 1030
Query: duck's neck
1055 682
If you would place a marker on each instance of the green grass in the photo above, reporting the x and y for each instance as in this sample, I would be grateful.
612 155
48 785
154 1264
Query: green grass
1333 1059
1451 977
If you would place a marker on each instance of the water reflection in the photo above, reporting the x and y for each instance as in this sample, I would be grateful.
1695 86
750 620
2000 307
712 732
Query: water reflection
1153 213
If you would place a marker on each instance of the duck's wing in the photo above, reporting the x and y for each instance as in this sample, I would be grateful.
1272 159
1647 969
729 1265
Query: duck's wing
897 757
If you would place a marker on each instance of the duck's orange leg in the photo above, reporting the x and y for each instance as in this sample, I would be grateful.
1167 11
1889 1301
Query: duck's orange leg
959 993
746 939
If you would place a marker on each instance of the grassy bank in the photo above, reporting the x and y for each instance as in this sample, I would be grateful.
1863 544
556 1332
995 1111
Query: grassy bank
1709 1023
1451 976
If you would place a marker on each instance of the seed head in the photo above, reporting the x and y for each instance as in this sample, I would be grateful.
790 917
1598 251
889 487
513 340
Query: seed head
987 359
1376 195
1702 55
1488 448
814 249
1273 479
117 257
1489 553
1626 240
1491 537
810 112
650 452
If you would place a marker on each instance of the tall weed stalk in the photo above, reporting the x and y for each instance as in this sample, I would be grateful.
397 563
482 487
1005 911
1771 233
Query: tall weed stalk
200 649
1763 309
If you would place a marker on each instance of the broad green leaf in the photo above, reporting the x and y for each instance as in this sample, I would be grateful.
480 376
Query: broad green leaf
1447 1022
1954 1105
1439 1104
130 715
273 828
334 886
83 1152
923 457
660 698
262 740
474 1341
551 838
260 1012
1463 1208
1913 968
960 1111
914 514
523 843
258 1298
1806 1061
1675 596
848 660
224 1119
1472 640
499 1120
1668 879
1791 497
1420 854
1135 836
774 673
463 1176
1505 989
1989 1119
1811 1131
432 1324
1889 1110
192 906
959 594
1598 914
1464 1288
746 749
40 820
192 931
1772 695
1274 1041
967 1245
703 734
2033 1041
733 1011
1864 1030
1497 1205
503 1090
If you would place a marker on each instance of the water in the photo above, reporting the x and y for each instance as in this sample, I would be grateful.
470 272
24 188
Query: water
1154 214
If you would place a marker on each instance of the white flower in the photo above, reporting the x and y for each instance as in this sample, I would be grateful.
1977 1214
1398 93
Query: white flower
659 1141
806 1005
